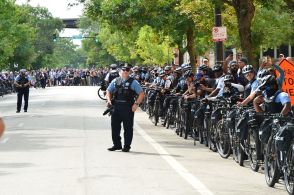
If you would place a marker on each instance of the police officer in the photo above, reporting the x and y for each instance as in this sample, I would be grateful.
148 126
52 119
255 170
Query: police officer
113 73
121 93
22 84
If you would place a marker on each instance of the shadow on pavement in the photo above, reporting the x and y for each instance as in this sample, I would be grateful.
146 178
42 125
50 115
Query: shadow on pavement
153 154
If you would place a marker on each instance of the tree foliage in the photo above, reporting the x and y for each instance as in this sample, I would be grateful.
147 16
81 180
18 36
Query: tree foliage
26 37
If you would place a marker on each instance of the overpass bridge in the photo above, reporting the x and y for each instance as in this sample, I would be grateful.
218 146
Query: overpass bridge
71 22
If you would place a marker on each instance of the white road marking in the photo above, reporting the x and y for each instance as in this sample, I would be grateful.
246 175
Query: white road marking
5 140
190 178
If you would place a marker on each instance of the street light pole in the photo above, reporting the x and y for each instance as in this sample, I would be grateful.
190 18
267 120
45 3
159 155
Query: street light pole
219 48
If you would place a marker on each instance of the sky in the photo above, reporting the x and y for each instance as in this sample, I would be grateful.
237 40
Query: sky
59 9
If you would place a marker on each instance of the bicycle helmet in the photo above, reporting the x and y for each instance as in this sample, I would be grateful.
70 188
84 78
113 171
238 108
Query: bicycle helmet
267 81
178 70
261 74
229 78
135 69
167 68
187 67
217 68
247 69
203 67
161 73
188 73
113 66
232 63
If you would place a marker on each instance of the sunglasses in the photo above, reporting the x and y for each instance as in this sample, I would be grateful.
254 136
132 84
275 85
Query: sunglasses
126 69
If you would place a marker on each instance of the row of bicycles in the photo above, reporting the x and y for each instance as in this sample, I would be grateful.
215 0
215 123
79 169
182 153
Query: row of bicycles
6 87
265 140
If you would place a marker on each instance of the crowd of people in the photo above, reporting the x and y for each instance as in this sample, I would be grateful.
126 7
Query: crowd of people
54 77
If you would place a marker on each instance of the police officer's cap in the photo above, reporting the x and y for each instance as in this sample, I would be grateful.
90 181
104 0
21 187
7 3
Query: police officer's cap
22 70
126 66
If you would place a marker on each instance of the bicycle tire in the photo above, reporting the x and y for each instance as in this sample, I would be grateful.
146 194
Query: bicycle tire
289 171
222 140
101 94
253 147
271 170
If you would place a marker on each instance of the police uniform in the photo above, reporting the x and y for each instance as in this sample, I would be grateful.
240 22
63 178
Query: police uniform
111 76
124 93
22 91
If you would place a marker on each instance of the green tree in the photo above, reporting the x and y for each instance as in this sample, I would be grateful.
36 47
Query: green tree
8 26
272 26
93 47
152 47
129 15
65 53
45 25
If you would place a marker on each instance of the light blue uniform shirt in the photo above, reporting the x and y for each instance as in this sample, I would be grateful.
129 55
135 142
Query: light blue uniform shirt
282 98
18 78
254 85
135 86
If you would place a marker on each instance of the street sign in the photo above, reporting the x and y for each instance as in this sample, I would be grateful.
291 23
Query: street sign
288 85
219 34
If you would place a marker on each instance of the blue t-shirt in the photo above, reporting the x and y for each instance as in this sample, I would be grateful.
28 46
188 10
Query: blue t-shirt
135 86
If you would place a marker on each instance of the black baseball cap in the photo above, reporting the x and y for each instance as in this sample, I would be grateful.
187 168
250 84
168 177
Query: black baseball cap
126 66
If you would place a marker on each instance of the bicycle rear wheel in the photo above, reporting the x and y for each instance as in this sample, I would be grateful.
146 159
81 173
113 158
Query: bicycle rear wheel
101 94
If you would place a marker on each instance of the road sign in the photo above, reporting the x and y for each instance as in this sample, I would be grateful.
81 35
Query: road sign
219 34
288 85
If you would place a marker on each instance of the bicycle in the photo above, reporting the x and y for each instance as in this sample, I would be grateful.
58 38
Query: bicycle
102 91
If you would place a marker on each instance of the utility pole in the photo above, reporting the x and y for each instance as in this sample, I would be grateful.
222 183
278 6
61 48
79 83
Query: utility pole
219 47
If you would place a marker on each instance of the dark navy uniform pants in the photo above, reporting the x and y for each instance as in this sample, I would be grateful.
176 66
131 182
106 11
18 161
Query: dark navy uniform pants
122 114
25 94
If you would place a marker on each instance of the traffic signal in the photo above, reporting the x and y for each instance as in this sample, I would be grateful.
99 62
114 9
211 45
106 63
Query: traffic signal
96 37
55 37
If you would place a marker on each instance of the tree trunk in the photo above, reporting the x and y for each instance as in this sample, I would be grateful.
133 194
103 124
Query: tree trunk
191 47
181 55
245 10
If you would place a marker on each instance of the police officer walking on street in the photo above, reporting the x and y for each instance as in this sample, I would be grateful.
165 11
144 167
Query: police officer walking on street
22 84
121 94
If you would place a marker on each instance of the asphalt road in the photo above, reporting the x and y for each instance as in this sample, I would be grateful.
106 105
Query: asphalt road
60 148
